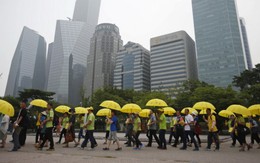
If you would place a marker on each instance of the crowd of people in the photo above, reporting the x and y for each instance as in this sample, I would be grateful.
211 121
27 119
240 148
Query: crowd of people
184 129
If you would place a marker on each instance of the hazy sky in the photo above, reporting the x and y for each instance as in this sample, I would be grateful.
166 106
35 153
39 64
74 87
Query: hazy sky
138 21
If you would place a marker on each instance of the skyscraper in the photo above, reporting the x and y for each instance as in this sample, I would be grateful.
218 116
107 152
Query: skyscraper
173 61
246 44
218 39
132 70
105 44
70 51
27 69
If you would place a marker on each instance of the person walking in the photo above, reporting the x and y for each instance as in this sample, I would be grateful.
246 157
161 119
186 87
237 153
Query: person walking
254 132
4 125
188 119
137 131
81 125
49 126
38 130
107 129
129 130
162 129
20 121
197 128
231 129
241 133
172 130
65 124
212 130
152 130
113 132
178 124
24 125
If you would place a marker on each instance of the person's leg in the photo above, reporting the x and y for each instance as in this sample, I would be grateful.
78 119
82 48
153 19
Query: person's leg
62 133
233 139
209 140
160 138
150 138
22 136
84 143
164 145
16 134
45 138
198 138
91 138
51 138
156 137
177 135
38 132
193 140
170 137
80 134
184 138
138 142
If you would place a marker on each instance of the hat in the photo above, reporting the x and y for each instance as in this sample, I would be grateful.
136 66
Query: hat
44 113
194 113
91 108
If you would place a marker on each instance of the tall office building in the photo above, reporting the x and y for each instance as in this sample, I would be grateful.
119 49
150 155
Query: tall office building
246 44
27 69
70 51
219 44
132 70
105 44
173 61
48 64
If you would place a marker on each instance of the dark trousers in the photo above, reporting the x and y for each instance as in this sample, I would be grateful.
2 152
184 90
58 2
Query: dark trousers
89 136
162 138
213 136
22 136
172 134
48 136
16 134
63 132
152 133
254 136
81 134
178 134
198 138
241 136
137 141
130 138
191 134
234 138
107 134
38 133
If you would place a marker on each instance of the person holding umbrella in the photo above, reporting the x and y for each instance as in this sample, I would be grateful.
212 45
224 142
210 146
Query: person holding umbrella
162 129
65 121
152 129
137 131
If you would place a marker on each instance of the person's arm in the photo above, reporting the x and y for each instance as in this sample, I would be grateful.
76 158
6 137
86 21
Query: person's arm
205 119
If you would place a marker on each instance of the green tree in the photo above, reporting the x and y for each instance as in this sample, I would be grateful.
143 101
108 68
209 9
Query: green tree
36 94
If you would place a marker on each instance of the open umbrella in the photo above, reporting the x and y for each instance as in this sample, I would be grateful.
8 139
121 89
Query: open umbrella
203 105
225 113
104 112
204 112
239 109
156 102
131 108
145 113
255 109
169 110
81 110
190 110
111 105
39 102
62 109
6 108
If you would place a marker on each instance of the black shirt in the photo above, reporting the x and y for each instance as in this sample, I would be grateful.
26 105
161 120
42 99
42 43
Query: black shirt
23 113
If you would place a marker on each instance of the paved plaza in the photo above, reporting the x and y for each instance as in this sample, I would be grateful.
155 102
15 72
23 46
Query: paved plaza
29 154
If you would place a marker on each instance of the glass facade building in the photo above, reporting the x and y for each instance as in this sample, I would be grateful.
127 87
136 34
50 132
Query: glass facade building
27 69
105 44
220 50
173 61
132 70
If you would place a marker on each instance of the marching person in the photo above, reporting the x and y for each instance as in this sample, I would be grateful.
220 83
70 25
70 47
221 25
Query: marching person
197 128
162 129
65 124
137 131
4 124
178 124
254 132
107 129
81 125
152 130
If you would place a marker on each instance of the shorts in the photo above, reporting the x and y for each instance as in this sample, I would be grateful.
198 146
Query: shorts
112 136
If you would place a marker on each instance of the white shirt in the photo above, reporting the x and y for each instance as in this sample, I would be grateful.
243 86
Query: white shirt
5 124
188 119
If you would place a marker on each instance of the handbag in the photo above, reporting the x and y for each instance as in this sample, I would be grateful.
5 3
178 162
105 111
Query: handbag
69 137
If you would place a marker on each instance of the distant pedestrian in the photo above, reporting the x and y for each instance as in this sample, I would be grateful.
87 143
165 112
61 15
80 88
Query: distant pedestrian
81 126
107 129
240 127
65 125
4 124
254 132
137 131
172 130
197 129
178 124
162 129
152 129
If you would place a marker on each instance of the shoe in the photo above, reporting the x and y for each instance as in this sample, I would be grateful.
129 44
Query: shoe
216 149
159 147
148 145
2 146
199 145
249 147
105 143
232 146
136 148
106 149
174 145
141 146
64 143
95 145
50 149
189 144
196 149
182 148
164 148
57 143
124 143
119 149
11 141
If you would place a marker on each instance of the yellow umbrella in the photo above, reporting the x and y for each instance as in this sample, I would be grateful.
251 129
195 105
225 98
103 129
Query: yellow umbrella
204 111
81 110
226 113
255 109
131 108
6 108
169 110
111 105
203 105
39 102
239 109
104 112
145 113
190 110
156 102
62 109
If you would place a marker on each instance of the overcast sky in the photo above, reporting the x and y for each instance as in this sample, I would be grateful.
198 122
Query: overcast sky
138 21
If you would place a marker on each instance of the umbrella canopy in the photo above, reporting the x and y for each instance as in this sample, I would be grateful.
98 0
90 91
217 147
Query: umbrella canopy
145 113
62 109
111 105
255 109
6 108
39 102
169 110
190 110
156 102
104 112
131 108
239 109
203 105
225 113
204 112
81 110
